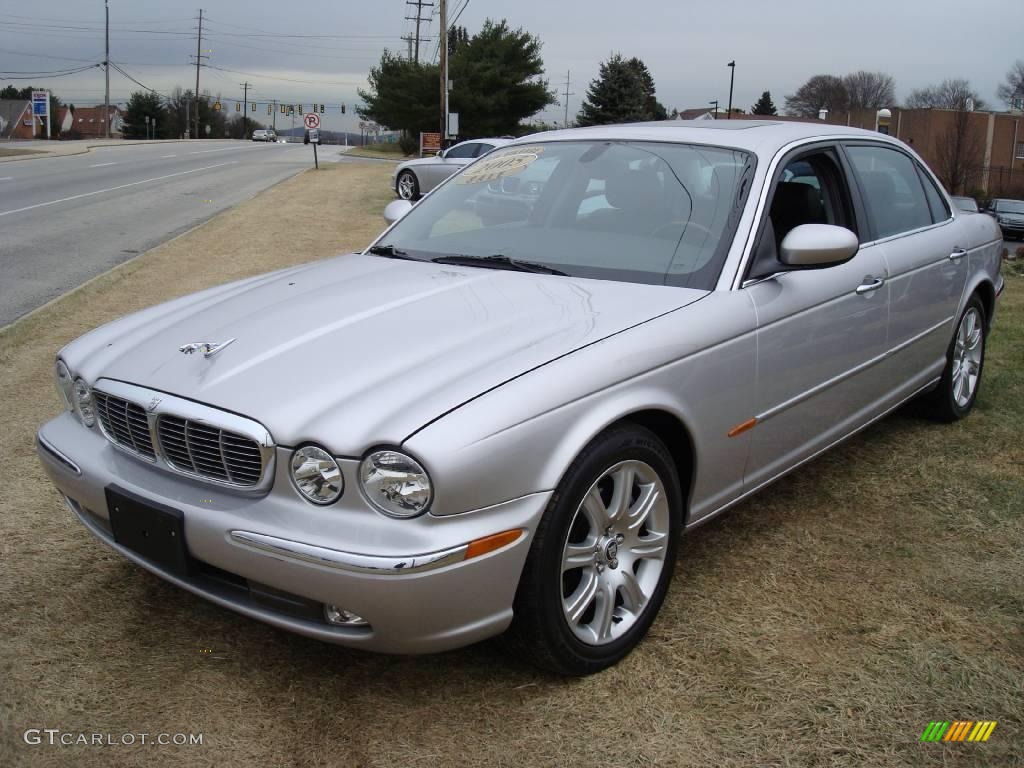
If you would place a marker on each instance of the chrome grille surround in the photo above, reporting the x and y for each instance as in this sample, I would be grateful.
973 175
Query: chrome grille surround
185 437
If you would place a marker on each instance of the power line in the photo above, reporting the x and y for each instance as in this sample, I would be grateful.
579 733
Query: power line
45 76
286 79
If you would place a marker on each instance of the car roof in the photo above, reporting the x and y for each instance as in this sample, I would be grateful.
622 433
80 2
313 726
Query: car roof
760 136
490 140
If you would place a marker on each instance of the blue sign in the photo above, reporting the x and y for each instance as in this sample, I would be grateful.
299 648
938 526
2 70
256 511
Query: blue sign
40 103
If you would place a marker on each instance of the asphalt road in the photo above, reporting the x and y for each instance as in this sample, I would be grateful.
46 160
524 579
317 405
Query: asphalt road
66 219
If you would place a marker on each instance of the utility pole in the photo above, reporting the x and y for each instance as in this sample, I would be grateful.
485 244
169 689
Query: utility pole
567 95
199 60
444 70
274 118
245 109
408 39
418 18
732 76
106 64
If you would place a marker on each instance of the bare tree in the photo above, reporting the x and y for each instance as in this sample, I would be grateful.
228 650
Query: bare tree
949 94
959 155
1013 87
820 92
870 90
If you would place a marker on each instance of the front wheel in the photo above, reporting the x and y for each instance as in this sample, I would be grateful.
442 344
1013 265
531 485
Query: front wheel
958 389
602 557
407 186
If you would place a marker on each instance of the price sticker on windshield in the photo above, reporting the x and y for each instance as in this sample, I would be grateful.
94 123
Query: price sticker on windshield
505 163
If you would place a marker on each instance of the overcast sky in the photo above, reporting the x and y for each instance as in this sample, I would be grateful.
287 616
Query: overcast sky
777 44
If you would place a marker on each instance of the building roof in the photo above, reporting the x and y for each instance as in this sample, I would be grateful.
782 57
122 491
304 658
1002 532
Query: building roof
11 111
695 114
94 114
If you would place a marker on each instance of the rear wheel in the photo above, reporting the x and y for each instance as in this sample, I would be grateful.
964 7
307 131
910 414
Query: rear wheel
958 389
602 557
407 186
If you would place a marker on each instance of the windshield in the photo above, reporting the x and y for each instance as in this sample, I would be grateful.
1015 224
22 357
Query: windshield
634 211
1010 206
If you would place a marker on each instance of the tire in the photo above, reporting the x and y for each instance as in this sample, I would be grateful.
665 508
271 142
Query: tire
587 596
958 388
407 186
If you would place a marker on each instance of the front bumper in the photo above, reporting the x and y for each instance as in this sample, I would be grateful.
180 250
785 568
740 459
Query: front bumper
278 559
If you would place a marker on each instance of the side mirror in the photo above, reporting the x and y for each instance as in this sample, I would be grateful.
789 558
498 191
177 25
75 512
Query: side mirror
395 210
440 153
818 245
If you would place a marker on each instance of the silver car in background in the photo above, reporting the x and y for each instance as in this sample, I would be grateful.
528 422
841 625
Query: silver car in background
414 178
504 414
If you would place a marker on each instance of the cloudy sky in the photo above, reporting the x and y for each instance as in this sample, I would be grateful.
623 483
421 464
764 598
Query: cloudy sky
320 50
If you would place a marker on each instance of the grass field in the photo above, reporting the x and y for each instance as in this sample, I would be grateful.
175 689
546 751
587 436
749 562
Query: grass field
384 150
823 623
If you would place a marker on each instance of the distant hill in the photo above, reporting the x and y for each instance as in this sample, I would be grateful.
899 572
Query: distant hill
326 137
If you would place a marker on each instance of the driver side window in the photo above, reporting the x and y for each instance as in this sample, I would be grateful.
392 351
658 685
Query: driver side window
462 151
810 190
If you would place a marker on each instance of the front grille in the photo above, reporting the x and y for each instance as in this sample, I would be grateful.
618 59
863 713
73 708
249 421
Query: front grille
125 423
199 448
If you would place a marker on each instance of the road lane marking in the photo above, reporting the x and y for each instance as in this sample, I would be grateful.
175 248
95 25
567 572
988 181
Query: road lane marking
112 189
100 165
7 178
221 149
165 156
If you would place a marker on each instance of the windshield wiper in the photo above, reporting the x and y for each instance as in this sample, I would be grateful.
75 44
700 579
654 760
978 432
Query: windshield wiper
390 252
499 261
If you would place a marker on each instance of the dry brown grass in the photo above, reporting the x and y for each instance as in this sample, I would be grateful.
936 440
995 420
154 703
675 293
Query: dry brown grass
823 623
5 152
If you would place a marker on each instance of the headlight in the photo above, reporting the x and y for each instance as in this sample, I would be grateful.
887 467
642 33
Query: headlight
83 403
317 475
395 484
65 384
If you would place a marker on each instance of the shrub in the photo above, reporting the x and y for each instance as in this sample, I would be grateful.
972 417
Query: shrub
408 144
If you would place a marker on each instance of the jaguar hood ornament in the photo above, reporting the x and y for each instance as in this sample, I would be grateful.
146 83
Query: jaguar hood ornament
208 348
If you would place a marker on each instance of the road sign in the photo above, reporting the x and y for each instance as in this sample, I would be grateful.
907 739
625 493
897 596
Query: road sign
40 103
314 136
311 120
216 105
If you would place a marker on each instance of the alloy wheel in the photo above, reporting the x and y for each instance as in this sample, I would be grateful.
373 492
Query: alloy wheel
967 357
406 186
614 552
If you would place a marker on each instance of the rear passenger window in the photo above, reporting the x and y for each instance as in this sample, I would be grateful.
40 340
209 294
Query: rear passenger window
937 203
892 189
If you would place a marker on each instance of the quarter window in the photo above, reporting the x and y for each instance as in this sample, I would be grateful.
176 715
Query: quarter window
936 202
463 151
892 190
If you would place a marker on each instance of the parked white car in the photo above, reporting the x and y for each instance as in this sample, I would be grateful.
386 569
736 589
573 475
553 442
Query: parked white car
264 135
414 178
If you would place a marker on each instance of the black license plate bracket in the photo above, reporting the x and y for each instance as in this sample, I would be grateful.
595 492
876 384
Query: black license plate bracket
151 530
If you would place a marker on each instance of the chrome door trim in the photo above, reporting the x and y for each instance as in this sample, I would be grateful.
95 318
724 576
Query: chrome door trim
353 562
840 378
747 494
57 456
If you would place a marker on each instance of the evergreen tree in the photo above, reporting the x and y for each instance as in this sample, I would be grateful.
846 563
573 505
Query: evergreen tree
622 92
141 105
764 105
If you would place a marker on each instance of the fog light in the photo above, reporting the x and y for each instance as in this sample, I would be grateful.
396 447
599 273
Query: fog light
342 618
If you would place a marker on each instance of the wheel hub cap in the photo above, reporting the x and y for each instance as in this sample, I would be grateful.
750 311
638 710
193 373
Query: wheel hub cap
614 553
967 355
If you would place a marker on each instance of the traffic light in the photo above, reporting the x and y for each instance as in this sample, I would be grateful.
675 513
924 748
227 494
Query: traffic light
343 109
321 109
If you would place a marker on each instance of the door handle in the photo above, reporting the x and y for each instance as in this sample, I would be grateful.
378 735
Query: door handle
870 284
957 254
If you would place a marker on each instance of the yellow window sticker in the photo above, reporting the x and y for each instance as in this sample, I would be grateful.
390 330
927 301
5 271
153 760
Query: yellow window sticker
507 163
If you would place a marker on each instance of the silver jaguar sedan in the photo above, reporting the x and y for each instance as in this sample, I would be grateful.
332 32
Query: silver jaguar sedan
414 178
503 414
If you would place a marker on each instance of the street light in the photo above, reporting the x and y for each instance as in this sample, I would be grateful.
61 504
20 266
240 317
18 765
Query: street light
732 77
715 105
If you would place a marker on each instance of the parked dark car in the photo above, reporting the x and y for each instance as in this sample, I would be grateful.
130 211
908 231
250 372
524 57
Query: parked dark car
966 204
1010 215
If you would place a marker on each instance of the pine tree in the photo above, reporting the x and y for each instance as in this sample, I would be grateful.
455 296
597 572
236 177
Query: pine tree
623 92
764 105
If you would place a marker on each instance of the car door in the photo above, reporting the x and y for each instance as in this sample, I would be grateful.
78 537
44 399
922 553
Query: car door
454 159
925 248
819 331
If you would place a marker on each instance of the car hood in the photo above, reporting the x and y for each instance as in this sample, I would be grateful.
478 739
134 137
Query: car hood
361 350
1016 218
